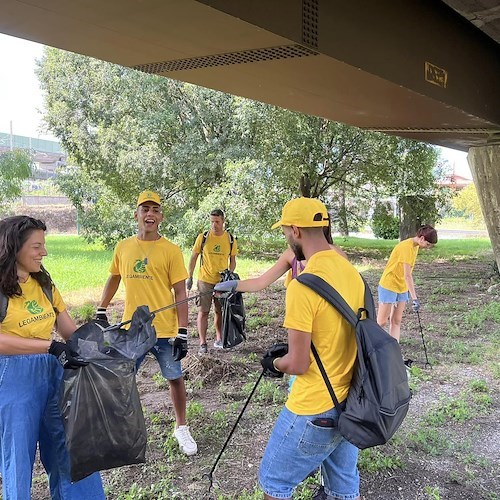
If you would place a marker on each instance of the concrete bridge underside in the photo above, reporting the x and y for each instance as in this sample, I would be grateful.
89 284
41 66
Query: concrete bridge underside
427 69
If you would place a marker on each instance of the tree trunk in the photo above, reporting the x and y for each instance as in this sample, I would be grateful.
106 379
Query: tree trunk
484 163
411 210
342 217
305 185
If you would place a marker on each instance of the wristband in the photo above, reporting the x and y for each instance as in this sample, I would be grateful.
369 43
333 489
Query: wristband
274 365
182 332
101 309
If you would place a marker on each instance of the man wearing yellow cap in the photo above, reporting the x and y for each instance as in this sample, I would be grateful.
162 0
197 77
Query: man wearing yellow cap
217 249
305 435
151 267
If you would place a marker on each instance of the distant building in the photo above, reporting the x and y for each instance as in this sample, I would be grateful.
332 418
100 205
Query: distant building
47 155
455 182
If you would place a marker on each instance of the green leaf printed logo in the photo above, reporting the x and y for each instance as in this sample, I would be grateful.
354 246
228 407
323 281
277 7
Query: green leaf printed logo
33 307
140 266
217 248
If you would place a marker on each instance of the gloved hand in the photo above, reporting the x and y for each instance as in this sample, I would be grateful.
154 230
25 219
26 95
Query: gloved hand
180 344
66 356
189 283
226 286
415 305
276 351
100 315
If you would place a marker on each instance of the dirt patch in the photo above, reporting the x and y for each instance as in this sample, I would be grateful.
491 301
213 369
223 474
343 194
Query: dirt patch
447 447
59 219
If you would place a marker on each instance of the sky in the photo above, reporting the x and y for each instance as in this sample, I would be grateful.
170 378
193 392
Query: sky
21 100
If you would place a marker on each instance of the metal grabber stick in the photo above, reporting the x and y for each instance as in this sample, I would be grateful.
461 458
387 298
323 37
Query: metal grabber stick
427 363
161 309
209 475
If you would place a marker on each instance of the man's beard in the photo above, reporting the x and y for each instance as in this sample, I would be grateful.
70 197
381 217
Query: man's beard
297 250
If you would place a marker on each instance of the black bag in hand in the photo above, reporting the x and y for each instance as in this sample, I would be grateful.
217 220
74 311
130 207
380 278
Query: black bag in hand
100 405
233 315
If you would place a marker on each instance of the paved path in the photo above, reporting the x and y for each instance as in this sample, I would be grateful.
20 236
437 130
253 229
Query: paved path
445 234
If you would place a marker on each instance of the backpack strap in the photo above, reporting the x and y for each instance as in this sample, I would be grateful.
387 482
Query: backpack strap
4 303
4 300
47 290
328 384
326 291
203 241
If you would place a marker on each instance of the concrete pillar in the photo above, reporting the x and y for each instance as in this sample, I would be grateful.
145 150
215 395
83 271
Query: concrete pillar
484 162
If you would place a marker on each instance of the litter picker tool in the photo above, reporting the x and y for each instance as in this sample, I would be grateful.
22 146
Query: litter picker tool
427 363
209 475
161 309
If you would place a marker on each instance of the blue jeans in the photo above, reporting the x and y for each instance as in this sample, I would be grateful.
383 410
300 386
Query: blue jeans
389 297
163 352
29 413
297 447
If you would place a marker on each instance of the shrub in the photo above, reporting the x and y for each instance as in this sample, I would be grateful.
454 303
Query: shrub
384 224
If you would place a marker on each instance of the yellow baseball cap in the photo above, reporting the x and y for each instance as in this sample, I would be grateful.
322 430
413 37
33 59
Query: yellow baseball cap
148 196
303 212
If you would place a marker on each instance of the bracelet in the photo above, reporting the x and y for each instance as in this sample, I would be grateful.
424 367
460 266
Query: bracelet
274 365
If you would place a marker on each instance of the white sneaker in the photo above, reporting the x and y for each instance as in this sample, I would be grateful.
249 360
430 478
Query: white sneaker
186 442
218 344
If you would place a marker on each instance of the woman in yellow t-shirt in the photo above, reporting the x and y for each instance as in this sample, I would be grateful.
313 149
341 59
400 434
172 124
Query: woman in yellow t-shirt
31 367
396 284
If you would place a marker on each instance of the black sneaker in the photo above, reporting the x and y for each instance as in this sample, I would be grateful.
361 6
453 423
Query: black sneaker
320 494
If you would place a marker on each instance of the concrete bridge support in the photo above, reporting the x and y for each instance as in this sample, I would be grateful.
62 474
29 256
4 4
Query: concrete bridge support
484 162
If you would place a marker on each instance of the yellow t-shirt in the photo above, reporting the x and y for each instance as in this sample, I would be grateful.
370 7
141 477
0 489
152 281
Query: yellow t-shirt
32 315
393 277
215 258
332 336
149 269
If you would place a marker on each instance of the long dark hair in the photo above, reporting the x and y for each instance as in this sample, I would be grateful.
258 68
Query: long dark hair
14 231
327 231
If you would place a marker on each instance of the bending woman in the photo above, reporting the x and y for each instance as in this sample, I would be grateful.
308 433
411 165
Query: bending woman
31 367
396 285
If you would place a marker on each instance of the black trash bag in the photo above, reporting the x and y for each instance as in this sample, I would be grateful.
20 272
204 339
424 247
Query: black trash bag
92 340
233 315
100 404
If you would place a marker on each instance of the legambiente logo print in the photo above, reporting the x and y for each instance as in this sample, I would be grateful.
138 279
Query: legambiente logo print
139 266
33 307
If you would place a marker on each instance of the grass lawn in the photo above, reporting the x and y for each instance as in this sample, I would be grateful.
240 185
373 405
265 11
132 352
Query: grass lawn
445 249
80 270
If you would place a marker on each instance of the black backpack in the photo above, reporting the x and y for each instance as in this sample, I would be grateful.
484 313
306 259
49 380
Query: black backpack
379 395
4 300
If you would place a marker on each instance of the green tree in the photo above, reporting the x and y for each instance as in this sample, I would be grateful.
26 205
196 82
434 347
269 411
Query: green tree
347 167
15 167
128 131
410 176
467 202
